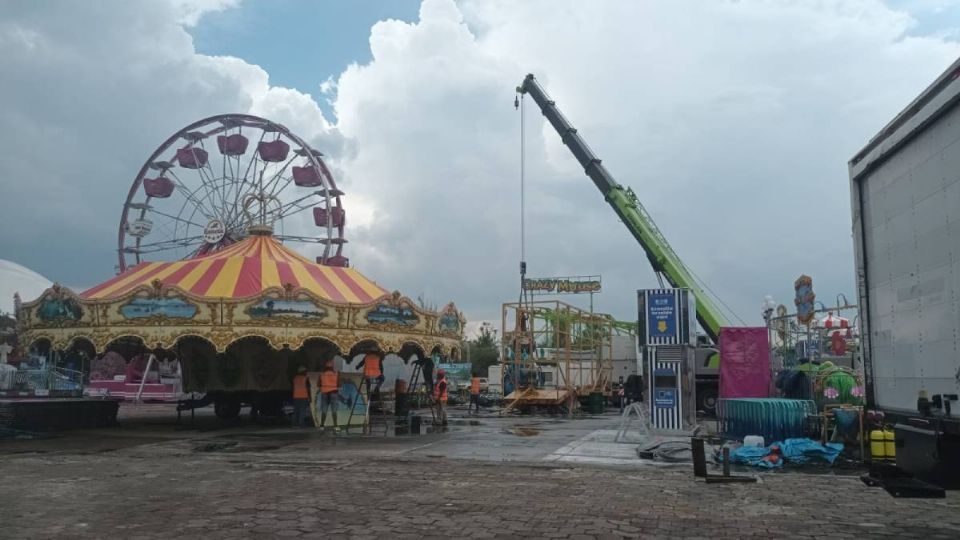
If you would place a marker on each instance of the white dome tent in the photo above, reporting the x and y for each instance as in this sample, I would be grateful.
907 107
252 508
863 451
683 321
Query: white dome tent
16 278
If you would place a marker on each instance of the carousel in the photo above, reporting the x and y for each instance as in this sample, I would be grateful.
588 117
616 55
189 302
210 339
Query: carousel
212 300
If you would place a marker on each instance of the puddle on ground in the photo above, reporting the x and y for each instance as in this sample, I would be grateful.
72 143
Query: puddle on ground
522 431
215 446
236 447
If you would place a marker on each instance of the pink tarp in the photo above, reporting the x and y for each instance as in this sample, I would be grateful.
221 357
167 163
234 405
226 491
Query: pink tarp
744 363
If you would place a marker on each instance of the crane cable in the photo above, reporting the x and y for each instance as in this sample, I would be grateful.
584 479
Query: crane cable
704 286
523 230
518 104
521 313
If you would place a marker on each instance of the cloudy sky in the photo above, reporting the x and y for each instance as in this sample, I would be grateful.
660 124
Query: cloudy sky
733 122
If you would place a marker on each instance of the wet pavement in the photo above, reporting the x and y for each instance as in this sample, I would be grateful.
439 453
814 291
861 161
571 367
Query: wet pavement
483 476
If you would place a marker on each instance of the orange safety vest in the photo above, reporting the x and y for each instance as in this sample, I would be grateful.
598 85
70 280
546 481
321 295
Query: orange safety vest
371 366
328 382
475 385
440 390
300 387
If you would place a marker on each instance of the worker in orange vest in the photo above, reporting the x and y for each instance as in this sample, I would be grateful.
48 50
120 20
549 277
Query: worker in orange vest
329 394
474 393
301 396
372 372
440 396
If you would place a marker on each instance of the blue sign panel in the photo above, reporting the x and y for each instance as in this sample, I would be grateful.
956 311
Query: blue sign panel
665 398
662 316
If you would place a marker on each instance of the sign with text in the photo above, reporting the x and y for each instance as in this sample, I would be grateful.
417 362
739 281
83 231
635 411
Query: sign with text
662 315
563 285
667 317
665 398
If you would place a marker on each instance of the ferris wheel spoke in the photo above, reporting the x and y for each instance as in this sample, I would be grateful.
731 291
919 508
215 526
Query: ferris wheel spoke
295 207
210 186
214 188
221 186
281 188
304 239
223 172
176 218
275 180
236 210
189 195
209 200
203 181
193 214
254 158
236 215
165 245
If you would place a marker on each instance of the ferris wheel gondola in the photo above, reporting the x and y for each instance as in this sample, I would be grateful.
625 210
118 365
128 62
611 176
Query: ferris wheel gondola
209 183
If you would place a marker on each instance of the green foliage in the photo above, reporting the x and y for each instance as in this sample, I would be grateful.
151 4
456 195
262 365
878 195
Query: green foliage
483 350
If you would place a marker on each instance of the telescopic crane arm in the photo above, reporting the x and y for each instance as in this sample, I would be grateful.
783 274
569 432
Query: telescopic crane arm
625 203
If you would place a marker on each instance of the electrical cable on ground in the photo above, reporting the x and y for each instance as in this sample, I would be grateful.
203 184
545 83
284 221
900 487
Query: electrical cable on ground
670 451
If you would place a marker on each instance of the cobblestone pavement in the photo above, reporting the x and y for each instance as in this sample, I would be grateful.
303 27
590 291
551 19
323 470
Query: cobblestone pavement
299 484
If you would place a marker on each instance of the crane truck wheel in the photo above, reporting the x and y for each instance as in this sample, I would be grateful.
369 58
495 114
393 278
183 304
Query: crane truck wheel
226 408
707 400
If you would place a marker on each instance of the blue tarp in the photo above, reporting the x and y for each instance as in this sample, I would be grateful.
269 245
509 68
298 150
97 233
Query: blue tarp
791 450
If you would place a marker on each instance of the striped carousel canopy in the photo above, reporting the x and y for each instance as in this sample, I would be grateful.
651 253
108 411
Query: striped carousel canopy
245 270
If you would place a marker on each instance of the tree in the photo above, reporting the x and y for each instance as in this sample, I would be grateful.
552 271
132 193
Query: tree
483 349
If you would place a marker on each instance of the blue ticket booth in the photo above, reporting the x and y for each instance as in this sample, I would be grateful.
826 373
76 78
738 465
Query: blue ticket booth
666 340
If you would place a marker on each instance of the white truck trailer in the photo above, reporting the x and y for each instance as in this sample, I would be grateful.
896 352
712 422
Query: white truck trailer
905 197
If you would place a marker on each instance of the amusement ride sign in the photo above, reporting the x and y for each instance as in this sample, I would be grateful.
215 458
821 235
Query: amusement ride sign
214 231
563 285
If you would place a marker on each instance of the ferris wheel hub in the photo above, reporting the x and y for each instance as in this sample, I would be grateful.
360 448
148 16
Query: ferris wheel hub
260 230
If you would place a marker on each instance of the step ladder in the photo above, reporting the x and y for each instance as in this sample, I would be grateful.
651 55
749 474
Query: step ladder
369 416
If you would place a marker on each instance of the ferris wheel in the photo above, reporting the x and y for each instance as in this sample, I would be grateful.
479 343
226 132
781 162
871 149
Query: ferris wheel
207 185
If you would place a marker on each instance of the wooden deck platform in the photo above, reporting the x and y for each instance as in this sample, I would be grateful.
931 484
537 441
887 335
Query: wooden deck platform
53 414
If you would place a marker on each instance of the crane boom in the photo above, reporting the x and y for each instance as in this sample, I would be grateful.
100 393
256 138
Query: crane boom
625 203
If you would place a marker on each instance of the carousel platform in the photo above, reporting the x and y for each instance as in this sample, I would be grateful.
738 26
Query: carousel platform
55 414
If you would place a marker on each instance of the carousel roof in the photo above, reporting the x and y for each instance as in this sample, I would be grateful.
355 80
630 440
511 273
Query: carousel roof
243 270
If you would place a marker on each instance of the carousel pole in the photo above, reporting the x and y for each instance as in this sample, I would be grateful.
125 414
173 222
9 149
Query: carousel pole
143 379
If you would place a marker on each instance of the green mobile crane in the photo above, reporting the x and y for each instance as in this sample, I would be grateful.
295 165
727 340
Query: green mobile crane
664 260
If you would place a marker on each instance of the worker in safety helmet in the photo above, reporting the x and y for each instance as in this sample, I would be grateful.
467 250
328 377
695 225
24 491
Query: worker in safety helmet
440 396
329 394
474 393
301 396
372 372
427 364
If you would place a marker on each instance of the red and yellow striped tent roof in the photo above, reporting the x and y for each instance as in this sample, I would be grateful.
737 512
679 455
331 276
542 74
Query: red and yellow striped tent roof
245 270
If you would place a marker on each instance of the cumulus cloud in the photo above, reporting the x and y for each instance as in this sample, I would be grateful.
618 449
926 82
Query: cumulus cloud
190 11
732 121
91 89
